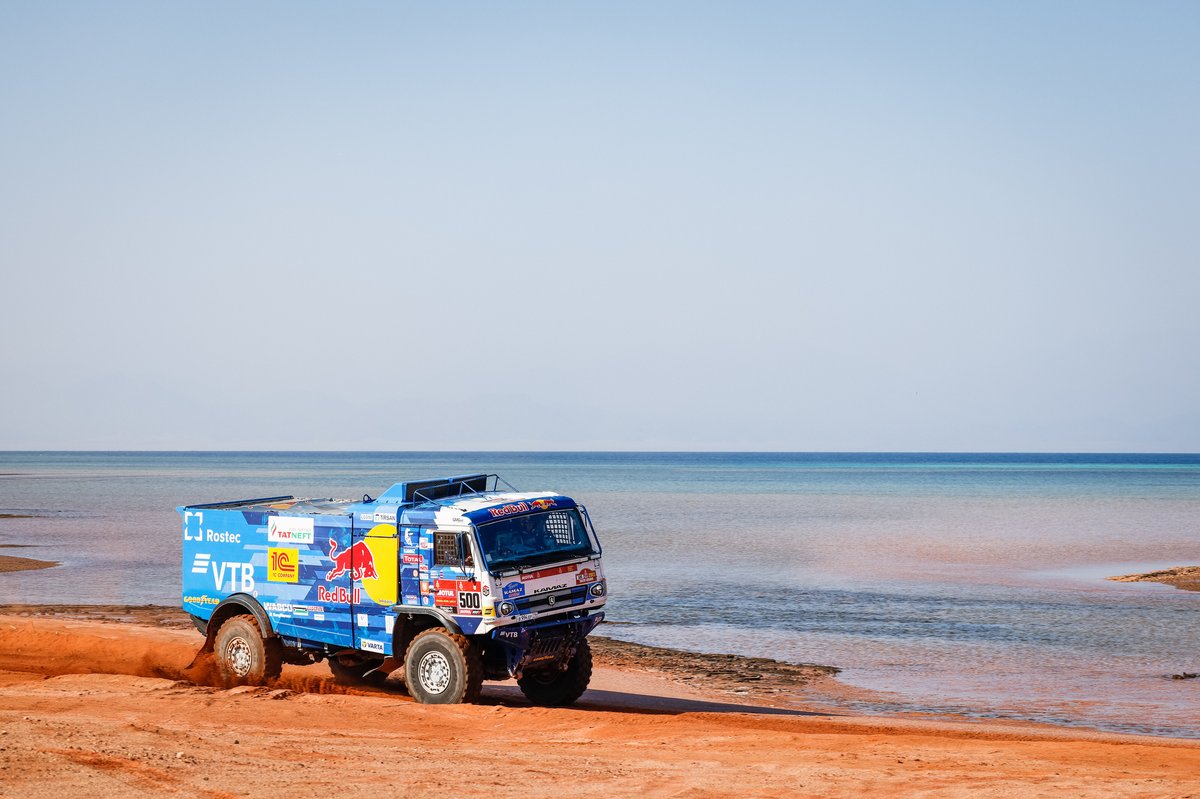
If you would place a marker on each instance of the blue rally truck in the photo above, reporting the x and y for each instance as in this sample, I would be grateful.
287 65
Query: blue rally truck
452 578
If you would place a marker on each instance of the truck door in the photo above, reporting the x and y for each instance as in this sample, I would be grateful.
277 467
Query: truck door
455 587
374 559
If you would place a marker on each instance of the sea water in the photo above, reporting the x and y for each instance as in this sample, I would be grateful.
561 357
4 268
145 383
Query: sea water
942 583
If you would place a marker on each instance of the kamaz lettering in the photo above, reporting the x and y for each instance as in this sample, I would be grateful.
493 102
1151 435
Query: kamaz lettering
427 572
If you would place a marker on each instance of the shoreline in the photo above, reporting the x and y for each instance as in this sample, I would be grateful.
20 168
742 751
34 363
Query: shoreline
1185 578
747 678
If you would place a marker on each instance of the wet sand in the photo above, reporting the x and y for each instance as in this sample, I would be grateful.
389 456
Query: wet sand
11 563
106 706
1184 577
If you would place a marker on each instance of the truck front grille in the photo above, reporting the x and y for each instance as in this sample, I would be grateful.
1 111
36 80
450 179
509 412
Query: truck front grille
563 598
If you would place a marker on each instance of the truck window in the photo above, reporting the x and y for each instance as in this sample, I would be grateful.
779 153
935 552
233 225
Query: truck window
445 550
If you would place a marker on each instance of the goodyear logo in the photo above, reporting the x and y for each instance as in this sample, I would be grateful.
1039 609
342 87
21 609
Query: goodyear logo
283 565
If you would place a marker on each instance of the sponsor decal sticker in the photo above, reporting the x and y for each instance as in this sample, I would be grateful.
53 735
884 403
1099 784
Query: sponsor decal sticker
547 573
446 598
358 561
558 587
542 504
386 516
371 646
200 563
283 565
412 599
513 589
489 612
290 530
585 576
412 557
362 620
202 600
299 610
222 537
487 591
340 595
508 510
277 608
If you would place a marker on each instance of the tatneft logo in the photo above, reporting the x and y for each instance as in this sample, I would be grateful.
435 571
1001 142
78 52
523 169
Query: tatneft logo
290 530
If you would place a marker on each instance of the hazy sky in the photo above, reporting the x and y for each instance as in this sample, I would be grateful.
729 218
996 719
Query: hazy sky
681 226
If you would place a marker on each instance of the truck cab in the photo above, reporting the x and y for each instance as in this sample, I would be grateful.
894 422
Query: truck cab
455 580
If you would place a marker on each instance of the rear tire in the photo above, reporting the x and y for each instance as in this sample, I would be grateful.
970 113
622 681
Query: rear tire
443 668
243 656
554 688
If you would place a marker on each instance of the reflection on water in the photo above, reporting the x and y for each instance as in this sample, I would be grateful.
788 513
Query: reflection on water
970 584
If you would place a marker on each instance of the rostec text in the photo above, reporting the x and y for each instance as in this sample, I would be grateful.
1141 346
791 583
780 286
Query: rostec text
222 537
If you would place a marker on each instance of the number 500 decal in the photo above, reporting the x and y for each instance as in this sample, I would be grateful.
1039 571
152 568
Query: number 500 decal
468 600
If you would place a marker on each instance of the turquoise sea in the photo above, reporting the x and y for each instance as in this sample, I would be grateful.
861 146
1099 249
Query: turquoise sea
959 583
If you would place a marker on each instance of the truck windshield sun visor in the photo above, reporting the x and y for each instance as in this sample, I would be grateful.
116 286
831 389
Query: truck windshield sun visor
535 539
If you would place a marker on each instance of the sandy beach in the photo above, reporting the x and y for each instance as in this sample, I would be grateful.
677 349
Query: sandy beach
98 701
1186 578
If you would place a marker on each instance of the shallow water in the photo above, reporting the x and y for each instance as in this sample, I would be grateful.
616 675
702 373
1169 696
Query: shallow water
948 583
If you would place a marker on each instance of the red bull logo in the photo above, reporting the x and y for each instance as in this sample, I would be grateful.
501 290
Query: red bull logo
542 504
339 595
508 510
357 561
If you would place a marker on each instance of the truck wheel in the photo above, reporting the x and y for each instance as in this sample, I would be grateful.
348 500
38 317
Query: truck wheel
243 657
352 671
555 688
443 668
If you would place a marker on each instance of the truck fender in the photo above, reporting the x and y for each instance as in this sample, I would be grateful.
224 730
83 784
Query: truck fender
412 620
236 605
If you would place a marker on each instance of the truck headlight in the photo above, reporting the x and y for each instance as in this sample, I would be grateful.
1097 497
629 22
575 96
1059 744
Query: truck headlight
506 608
599 589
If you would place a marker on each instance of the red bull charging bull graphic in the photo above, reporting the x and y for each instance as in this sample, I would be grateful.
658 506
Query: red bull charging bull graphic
357 561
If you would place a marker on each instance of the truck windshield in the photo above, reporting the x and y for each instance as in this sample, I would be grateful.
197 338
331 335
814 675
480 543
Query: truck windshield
535 539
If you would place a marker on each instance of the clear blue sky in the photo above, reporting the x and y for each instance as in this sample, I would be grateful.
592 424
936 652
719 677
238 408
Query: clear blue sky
751 226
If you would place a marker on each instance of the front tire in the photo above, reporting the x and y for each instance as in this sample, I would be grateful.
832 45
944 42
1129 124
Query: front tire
554 688
243 656
443 668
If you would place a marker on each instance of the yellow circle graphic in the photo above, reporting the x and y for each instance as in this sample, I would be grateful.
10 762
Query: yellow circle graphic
382 581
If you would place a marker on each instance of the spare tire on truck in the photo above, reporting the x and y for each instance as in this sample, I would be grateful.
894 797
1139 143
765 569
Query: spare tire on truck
555 687
243 656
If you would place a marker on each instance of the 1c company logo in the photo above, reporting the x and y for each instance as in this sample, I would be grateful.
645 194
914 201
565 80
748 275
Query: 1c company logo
283 565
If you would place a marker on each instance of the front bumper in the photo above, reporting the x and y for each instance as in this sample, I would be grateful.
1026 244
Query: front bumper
542 645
